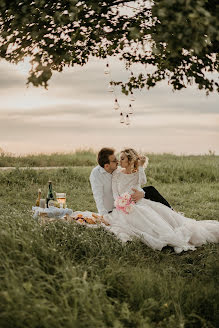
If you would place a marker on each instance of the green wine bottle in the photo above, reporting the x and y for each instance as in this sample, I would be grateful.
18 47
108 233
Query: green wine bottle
50 195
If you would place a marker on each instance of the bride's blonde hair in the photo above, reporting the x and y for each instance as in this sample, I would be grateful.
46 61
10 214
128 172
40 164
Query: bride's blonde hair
133 158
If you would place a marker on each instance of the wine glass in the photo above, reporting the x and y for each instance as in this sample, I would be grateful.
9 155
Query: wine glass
61 199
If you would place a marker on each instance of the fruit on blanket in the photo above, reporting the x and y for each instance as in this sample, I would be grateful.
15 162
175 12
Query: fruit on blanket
95 216
95 219
90 221
98 218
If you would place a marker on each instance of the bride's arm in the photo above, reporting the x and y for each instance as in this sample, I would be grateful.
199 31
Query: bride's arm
142 176
141 181
143 162
115 185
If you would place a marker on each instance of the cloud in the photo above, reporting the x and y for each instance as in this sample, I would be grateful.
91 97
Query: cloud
77 111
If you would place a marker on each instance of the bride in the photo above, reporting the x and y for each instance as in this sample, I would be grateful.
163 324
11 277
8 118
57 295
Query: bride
154 223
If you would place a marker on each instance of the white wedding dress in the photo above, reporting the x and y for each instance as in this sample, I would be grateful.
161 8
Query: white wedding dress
154 223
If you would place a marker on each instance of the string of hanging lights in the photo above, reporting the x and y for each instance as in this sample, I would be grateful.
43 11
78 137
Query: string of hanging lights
124 115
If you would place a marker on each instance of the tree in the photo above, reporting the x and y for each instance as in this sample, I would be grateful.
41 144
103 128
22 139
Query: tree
179 39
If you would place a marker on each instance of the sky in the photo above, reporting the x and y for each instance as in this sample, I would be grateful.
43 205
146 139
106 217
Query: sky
76 112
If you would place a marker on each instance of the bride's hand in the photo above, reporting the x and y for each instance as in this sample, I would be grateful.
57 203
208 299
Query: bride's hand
142 160
137 195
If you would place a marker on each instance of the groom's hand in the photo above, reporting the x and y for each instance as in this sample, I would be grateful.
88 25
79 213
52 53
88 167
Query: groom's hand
137 195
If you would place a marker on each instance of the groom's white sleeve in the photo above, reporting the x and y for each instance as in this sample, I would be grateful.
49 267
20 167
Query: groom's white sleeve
97 188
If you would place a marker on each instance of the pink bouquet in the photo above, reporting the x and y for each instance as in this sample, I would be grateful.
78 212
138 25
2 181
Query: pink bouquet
124 203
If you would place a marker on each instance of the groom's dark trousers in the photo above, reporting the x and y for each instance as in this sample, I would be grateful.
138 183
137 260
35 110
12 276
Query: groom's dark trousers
152 194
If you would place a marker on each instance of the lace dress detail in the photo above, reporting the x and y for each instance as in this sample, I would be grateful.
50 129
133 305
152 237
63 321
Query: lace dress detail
122 182
154 223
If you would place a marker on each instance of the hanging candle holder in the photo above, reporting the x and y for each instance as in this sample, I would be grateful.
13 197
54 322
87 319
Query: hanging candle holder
130 109
107 71
127 119
132 97
116 104
122 118
110 87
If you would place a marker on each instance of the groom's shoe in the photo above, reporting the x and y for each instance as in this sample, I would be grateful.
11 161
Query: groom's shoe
168 248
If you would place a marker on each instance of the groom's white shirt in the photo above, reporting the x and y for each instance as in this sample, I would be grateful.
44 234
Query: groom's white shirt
101 184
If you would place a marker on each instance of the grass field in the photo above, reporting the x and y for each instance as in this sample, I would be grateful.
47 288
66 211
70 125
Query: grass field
77 158
66 275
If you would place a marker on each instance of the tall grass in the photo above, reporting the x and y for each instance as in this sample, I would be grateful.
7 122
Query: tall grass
77 158
66 275
88 157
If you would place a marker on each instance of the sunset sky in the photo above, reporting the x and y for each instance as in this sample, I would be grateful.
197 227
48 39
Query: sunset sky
77 112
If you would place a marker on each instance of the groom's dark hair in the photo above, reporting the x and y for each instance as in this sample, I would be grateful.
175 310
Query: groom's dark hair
103 156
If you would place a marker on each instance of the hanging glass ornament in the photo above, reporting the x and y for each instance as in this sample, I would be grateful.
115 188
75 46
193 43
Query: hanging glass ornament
130 109
122 118
110 87
107 71
116 104
127 120
132 98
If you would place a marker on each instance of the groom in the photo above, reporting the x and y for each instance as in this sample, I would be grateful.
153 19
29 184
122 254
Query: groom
101 183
